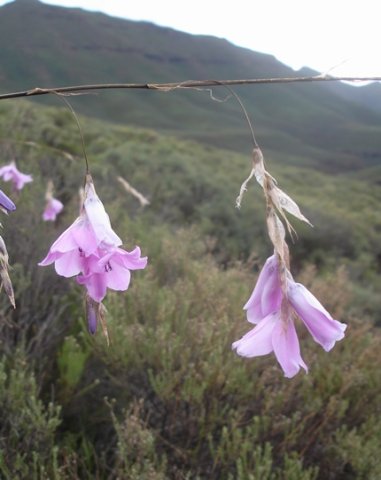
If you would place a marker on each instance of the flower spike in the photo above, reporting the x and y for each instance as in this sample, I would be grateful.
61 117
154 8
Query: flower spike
276 299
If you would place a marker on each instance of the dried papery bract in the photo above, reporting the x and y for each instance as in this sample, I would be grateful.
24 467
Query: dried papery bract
258 170
275 197
283 202
102 319
5 278
49 190
277 201
277 235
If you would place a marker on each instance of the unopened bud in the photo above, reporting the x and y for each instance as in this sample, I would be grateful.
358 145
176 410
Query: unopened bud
92 314
6 204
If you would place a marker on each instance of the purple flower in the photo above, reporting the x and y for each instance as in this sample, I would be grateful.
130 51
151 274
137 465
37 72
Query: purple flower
110 270
52 209
273 334
6 204
275 330
90 249
69 251
90 231
11 173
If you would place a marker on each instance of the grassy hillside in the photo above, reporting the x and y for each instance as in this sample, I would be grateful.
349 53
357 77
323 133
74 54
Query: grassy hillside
168 399
59 46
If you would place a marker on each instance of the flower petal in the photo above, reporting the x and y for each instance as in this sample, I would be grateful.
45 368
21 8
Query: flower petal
20 179
84 236
118 278
286 348
324 329
4 170
66 241
95 284
271 294
7 175
266 296
69 264
49 259
257 341
131 260
98 218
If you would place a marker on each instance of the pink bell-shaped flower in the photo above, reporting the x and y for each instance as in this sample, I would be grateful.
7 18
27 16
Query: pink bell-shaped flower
274 315
52 209
90 250
11 173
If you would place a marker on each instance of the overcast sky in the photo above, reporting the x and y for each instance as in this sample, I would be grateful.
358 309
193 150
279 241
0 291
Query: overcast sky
320 34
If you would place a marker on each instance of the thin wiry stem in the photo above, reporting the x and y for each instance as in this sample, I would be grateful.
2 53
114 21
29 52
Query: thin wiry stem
236 96
255 143
79 128
232 93
187 84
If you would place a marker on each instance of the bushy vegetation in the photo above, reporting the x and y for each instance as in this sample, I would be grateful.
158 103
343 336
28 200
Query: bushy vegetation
168 398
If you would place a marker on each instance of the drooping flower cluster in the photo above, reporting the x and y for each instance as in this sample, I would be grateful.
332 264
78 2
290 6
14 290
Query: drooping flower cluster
90 250
277 299
273 313
11 173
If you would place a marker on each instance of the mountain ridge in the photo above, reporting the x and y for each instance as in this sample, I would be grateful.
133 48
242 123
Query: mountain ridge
62 46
